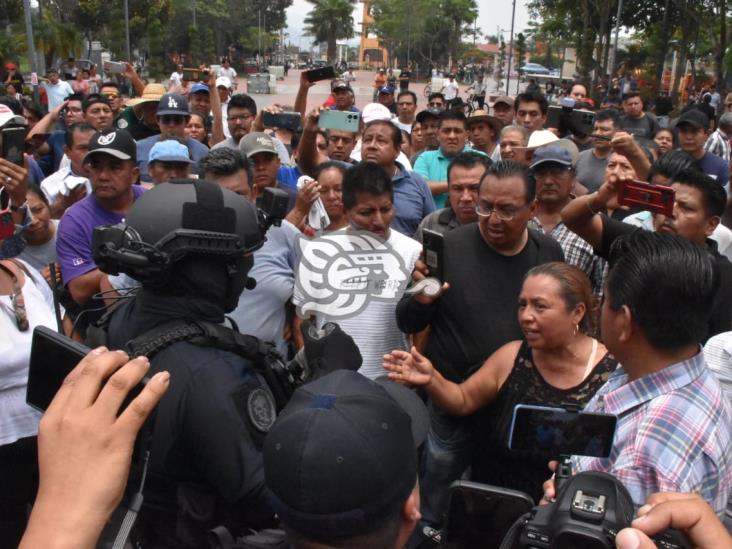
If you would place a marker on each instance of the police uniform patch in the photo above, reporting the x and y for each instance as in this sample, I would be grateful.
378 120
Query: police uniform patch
261 409
122 123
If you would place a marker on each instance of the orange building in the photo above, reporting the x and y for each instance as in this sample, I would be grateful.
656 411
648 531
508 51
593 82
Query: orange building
370 52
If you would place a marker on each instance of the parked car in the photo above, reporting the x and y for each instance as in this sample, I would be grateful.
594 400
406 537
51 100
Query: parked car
533 68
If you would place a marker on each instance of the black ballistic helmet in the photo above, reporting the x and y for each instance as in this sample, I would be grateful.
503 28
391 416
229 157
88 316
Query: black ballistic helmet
178 224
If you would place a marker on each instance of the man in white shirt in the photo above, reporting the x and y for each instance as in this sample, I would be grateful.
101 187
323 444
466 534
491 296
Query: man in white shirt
227 71
450 90
69 183
223 87
57 90
176 77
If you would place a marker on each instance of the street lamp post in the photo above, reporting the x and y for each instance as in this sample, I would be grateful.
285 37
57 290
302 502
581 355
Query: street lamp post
31 47
611 64
510 47
127 32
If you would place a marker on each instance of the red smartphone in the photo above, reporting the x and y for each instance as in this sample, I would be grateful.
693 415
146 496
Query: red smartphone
639 194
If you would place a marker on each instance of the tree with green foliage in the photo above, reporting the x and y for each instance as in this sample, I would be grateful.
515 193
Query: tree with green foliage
330 21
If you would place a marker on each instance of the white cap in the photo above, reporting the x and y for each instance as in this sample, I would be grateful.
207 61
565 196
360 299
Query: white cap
223 82
539 138
7 116
375 111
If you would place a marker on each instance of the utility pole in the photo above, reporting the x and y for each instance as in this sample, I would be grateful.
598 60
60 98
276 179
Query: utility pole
510 48
611 64
127 31
31 47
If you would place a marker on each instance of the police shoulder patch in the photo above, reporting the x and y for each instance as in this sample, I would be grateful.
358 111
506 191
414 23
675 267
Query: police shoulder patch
122 123
261 409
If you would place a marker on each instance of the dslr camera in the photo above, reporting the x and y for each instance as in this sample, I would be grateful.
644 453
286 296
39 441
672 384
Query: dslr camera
590 509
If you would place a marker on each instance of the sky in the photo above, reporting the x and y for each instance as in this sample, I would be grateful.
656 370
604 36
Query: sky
492 13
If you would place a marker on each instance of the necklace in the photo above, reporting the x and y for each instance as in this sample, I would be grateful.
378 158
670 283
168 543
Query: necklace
17 301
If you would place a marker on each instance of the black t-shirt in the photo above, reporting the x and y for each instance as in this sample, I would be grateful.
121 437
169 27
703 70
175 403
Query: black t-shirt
479 313
720 319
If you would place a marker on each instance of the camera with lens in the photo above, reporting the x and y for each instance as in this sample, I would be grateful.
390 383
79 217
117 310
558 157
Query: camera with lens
569 119
590 509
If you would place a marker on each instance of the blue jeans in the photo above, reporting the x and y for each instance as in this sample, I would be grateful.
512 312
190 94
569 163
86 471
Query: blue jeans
447 454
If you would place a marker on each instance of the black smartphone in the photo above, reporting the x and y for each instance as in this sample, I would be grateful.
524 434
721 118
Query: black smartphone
554 432
13 143
433 244
285 120
191 75
480 515
323 73
53 356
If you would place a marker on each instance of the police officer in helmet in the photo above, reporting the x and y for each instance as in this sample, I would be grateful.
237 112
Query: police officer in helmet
190 244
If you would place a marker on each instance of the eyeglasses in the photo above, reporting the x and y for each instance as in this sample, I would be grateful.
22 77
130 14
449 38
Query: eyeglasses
172 119
111 95
503 215
238 117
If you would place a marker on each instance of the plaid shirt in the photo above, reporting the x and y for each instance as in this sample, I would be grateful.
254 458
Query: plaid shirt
577 252
718 144
673 433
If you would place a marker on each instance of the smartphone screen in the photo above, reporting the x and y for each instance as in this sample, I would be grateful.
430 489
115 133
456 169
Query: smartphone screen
323 73
479 515
53 356
13 144
555 432
433 253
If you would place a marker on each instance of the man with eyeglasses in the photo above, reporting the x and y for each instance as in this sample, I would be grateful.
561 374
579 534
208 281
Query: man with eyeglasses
70 112
172 115
113 171
240 118
555 179
485 264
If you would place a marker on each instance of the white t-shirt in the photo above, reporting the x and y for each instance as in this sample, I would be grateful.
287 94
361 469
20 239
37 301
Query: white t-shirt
57 93
62 182
381 270
451 90
175 79
229 73
17 419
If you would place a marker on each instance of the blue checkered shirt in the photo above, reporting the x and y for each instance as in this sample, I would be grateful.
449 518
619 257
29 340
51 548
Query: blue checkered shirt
673 433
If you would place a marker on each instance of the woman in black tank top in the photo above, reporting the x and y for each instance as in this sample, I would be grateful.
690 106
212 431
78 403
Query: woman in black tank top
557 363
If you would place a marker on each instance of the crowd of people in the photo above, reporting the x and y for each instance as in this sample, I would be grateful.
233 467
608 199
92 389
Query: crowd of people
554 291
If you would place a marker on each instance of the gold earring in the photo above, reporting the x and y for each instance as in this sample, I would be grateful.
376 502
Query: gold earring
576 329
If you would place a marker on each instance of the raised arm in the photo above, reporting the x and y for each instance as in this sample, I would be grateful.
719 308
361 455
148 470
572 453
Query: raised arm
457 399
217 128
308 155
582 215
301 99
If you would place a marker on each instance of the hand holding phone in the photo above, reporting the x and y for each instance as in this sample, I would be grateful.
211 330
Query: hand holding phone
339 120
654 198
13 144
322 73
434 251
114 67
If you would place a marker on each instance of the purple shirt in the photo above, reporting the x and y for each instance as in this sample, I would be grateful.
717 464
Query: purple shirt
73 243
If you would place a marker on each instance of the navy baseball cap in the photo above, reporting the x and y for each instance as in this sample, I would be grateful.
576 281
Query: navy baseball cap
197 88
432 112
386 89
342 455
173 104
694 118
551 155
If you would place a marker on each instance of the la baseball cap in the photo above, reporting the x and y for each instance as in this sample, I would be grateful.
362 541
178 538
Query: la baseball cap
552 154
343 454
116 143
169 150
256 142
173 103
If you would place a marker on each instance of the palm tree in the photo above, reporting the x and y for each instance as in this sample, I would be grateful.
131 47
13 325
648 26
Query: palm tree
329 21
